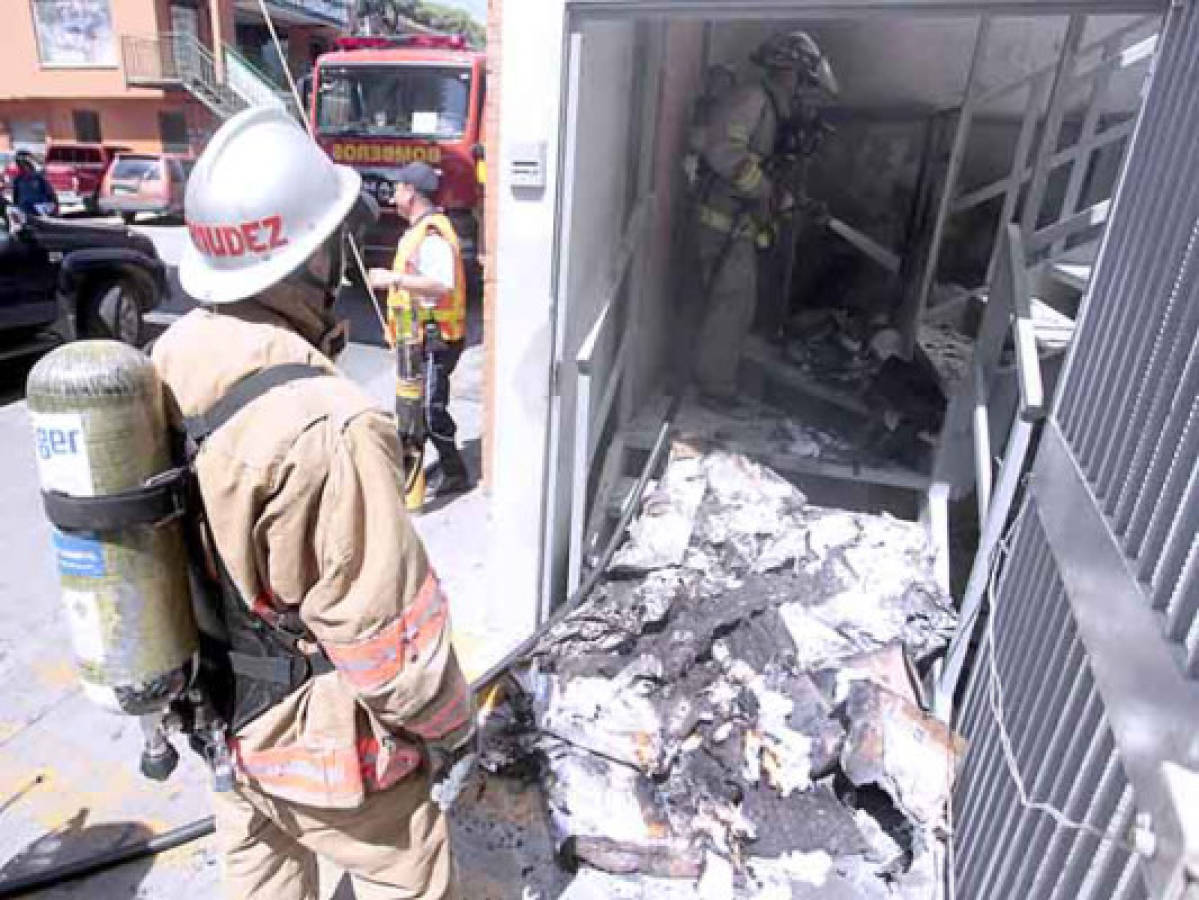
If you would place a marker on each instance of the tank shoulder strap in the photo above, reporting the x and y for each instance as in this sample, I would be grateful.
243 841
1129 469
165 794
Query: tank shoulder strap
201 426
165 496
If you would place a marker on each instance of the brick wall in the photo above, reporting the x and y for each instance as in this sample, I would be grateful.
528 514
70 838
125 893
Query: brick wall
491 141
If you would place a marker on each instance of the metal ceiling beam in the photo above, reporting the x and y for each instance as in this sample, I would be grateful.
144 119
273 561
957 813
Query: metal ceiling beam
843 9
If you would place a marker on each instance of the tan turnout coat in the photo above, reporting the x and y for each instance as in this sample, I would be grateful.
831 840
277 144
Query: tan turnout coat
738 141
303 490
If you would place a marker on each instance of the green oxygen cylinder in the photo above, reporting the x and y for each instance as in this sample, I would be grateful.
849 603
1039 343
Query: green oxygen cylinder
100 428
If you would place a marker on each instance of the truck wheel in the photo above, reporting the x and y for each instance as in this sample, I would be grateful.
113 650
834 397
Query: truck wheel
114 311
92 205
128 217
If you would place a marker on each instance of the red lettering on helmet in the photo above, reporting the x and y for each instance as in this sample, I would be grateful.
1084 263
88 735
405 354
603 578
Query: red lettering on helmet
235 240
249 231
235 243
199 239
274 224
216 241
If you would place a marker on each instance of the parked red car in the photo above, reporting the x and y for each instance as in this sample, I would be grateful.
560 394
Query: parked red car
76 170
144 182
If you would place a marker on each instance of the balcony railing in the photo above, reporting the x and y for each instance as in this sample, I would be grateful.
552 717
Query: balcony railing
153 61
179 60
254 85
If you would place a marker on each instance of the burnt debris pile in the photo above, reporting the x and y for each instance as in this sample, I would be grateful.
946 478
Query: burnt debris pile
739 704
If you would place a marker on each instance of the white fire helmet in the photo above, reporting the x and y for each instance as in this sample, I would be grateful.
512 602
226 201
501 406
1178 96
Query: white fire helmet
260 201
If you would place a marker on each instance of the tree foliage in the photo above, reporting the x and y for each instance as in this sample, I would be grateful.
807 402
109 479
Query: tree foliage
397 16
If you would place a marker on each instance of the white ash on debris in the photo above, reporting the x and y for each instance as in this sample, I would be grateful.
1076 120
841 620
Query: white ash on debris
660 537
769 429
737 703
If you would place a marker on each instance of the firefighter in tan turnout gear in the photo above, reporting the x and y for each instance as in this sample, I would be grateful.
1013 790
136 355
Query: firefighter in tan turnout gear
344 698
741 188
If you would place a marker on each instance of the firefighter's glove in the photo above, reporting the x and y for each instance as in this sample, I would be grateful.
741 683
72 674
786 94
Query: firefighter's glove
765 236
816 212
450 772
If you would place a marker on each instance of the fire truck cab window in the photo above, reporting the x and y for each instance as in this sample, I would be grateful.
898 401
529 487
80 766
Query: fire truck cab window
391 101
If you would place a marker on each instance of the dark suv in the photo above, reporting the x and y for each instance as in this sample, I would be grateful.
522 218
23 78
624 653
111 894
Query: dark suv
100 280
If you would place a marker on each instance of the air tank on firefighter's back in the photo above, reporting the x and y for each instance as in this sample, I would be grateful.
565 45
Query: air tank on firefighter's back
100 429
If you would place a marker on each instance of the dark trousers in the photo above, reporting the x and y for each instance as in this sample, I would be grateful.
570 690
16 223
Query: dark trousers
442 427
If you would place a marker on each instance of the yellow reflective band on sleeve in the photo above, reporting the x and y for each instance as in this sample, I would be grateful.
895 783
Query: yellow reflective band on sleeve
749 177
738 134
715 220
747 228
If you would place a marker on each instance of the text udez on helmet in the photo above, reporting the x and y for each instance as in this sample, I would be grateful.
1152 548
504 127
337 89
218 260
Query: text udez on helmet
254 236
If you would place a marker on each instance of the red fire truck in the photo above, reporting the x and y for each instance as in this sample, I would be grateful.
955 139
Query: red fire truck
381 102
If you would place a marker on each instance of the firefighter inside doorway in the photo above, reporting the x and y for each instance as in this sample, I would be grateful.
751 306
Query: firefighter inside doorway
426 310
327 641
749 146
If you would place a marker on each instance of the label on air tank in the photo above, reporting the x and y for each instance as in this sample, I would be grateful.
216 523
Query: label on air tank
62 460
79 555
86 624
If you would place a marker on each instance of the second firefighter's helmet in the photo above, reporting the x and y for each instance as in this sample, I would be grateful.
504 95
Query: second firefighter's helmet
261 200
798 52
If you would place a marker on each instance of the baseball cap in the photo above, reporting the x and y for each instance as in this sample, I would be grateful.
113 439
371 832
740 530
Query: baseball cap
421 176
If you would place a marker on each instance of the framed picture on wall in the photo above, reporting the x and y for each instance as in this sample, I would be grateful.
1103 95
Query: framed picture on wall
75 33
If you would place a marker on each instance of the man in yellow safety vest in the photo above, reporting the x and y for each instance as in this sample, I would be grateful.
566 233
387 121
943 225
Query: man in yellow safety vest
428 270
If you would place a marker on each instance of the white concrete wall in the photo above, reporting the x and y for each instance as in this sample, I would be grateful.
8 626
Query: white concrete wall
530 84
594 222
594 218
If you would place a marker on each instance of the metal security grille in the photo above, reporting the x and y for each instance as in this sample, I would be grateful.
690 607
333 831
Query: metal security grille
1062 744
1094 615
1130 405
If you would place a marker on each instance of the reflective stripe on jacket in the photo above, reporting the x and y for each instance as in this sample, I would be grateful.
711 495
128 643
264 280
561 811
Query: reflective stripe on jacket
450 312
304 494
738 141
744 226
